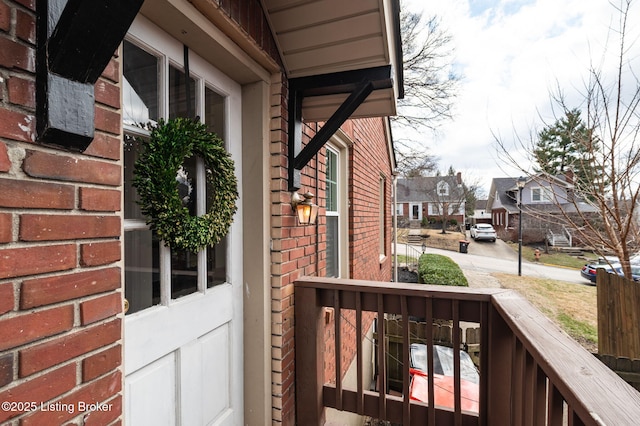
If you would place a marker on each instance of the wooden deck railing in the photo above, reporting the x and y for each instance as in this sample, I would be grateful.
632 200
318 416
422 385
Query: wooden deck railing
531 373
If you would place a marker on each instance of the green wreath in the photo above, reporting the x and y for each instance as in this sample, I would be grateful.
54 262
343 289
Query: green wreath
156 177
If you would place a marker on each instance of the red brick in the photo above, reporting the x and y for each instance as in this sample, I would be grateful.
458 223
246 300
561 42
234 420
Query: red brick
6 369
112 70
44 291
105 200
101 363
95 254
18 262
39 389
5 17
105 417
6 298
94 392
6 227
104 146
36 195
5 162
15 125
100 308
76 169
14 55
35 227
107 93
26 26
69 346
22 92
32 326
107 120
29 4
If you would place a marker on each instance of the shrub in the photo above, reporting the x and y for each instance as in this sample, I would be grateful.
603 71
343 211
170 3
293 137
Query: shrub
440 270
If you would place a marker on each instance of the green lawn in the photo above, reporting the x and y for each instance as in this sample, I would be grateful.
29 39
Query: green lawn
553 258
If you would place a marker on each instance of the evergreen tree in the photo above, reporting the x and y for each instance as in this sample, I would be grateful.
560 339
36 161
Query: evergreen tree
568 145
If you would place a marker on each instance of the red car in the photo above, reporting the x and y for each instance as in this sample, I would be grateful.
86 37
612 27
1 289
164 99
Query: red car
443 378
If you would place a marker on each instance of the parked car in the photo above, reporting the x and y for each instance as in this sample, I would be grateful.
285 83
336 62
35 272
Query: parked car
589 271
483 231
443 378
635 259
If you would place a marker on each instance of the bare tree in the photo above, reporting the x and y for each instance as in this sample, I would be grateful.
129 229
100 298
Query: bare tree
429 84
610 106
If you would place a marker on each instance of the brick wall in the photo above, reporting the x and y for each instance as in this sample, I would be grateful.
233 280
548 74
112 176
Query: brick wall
60 314
368 163
299 250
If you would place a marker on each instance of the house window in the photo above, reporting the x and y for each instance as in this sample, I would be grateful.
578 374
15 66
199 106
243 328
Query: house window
154 87
333 214
382 199
434 209
399 209
540 195
443 189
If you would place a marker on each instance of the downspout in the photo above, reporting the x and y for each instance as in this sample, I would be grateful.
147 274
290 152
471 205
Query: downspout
394 229
317 218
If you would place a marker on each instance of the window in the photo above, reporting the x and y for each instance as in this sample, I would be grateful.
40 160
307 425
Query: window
443 189
156 86
333 214
540 195
382 199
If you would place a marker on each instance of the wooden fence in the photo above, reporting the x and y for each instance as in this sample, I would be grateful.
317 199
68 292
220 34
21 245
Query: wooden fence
618 316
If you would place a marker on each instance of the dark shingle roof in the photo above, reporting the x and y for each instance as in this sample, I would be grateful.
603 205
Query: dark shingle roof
424 188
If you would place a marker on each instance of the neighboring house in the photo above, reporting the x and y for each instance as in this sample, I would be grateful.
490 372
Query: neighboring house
480 213
543 197
430 198
297 90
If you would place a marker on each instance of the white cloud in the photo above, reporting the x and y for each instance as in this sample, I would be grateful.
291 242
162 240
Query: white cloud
512 55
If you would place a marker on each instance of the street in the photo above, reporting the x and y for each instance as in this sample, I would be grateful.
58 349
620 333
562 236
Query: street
486 257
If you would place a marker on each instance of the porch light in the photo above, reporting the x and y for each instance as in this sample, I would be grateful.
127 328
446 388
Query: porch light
306 211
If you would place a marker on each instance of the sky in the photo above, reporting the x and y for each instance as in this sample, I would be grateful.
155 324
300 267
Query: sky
512 55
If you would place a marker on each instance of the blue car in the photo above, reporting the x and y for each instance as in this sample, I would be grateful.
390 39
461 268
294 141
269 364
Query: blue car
589 271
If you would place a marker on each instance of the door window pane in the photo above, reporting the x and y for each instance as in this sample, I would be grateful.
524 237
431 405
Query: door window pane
184 264
141 270
140 86
214 113
182 103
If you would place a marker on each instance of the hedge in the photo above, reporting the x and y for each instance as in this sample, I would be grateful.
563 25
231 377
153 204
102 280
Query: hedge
440 270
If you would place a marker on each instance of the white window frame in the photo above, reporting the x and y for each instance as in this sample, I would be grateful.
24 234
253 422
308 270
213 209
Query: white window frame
541 194
442 189
382 199
339 147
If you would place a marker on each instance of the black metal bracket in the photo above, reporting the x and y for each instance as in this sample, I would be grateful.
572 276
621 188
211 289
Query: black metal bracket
75 41
358 84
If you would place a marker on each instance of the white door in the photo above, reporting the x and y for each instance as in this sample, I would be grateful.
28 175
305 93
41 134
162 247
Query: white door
183 330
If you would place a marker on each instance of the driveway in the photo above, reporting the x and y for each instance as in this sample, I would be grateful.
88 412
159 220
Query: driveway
499 249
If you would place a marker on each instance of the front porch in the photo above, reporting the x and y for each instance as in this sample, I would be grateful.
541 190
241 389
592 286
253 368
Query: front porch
531 373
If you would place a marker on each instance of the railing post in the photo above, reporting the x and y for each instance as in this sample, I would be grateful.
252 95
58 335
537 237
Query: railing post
499 369
309 349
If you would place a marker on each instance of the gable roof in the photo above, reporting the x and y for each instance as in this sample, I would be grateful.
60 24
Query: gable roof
424 188
504 193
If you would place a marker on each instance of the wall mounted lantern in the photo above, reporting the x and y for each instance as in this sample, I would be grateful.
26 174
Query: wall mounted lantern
306 211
